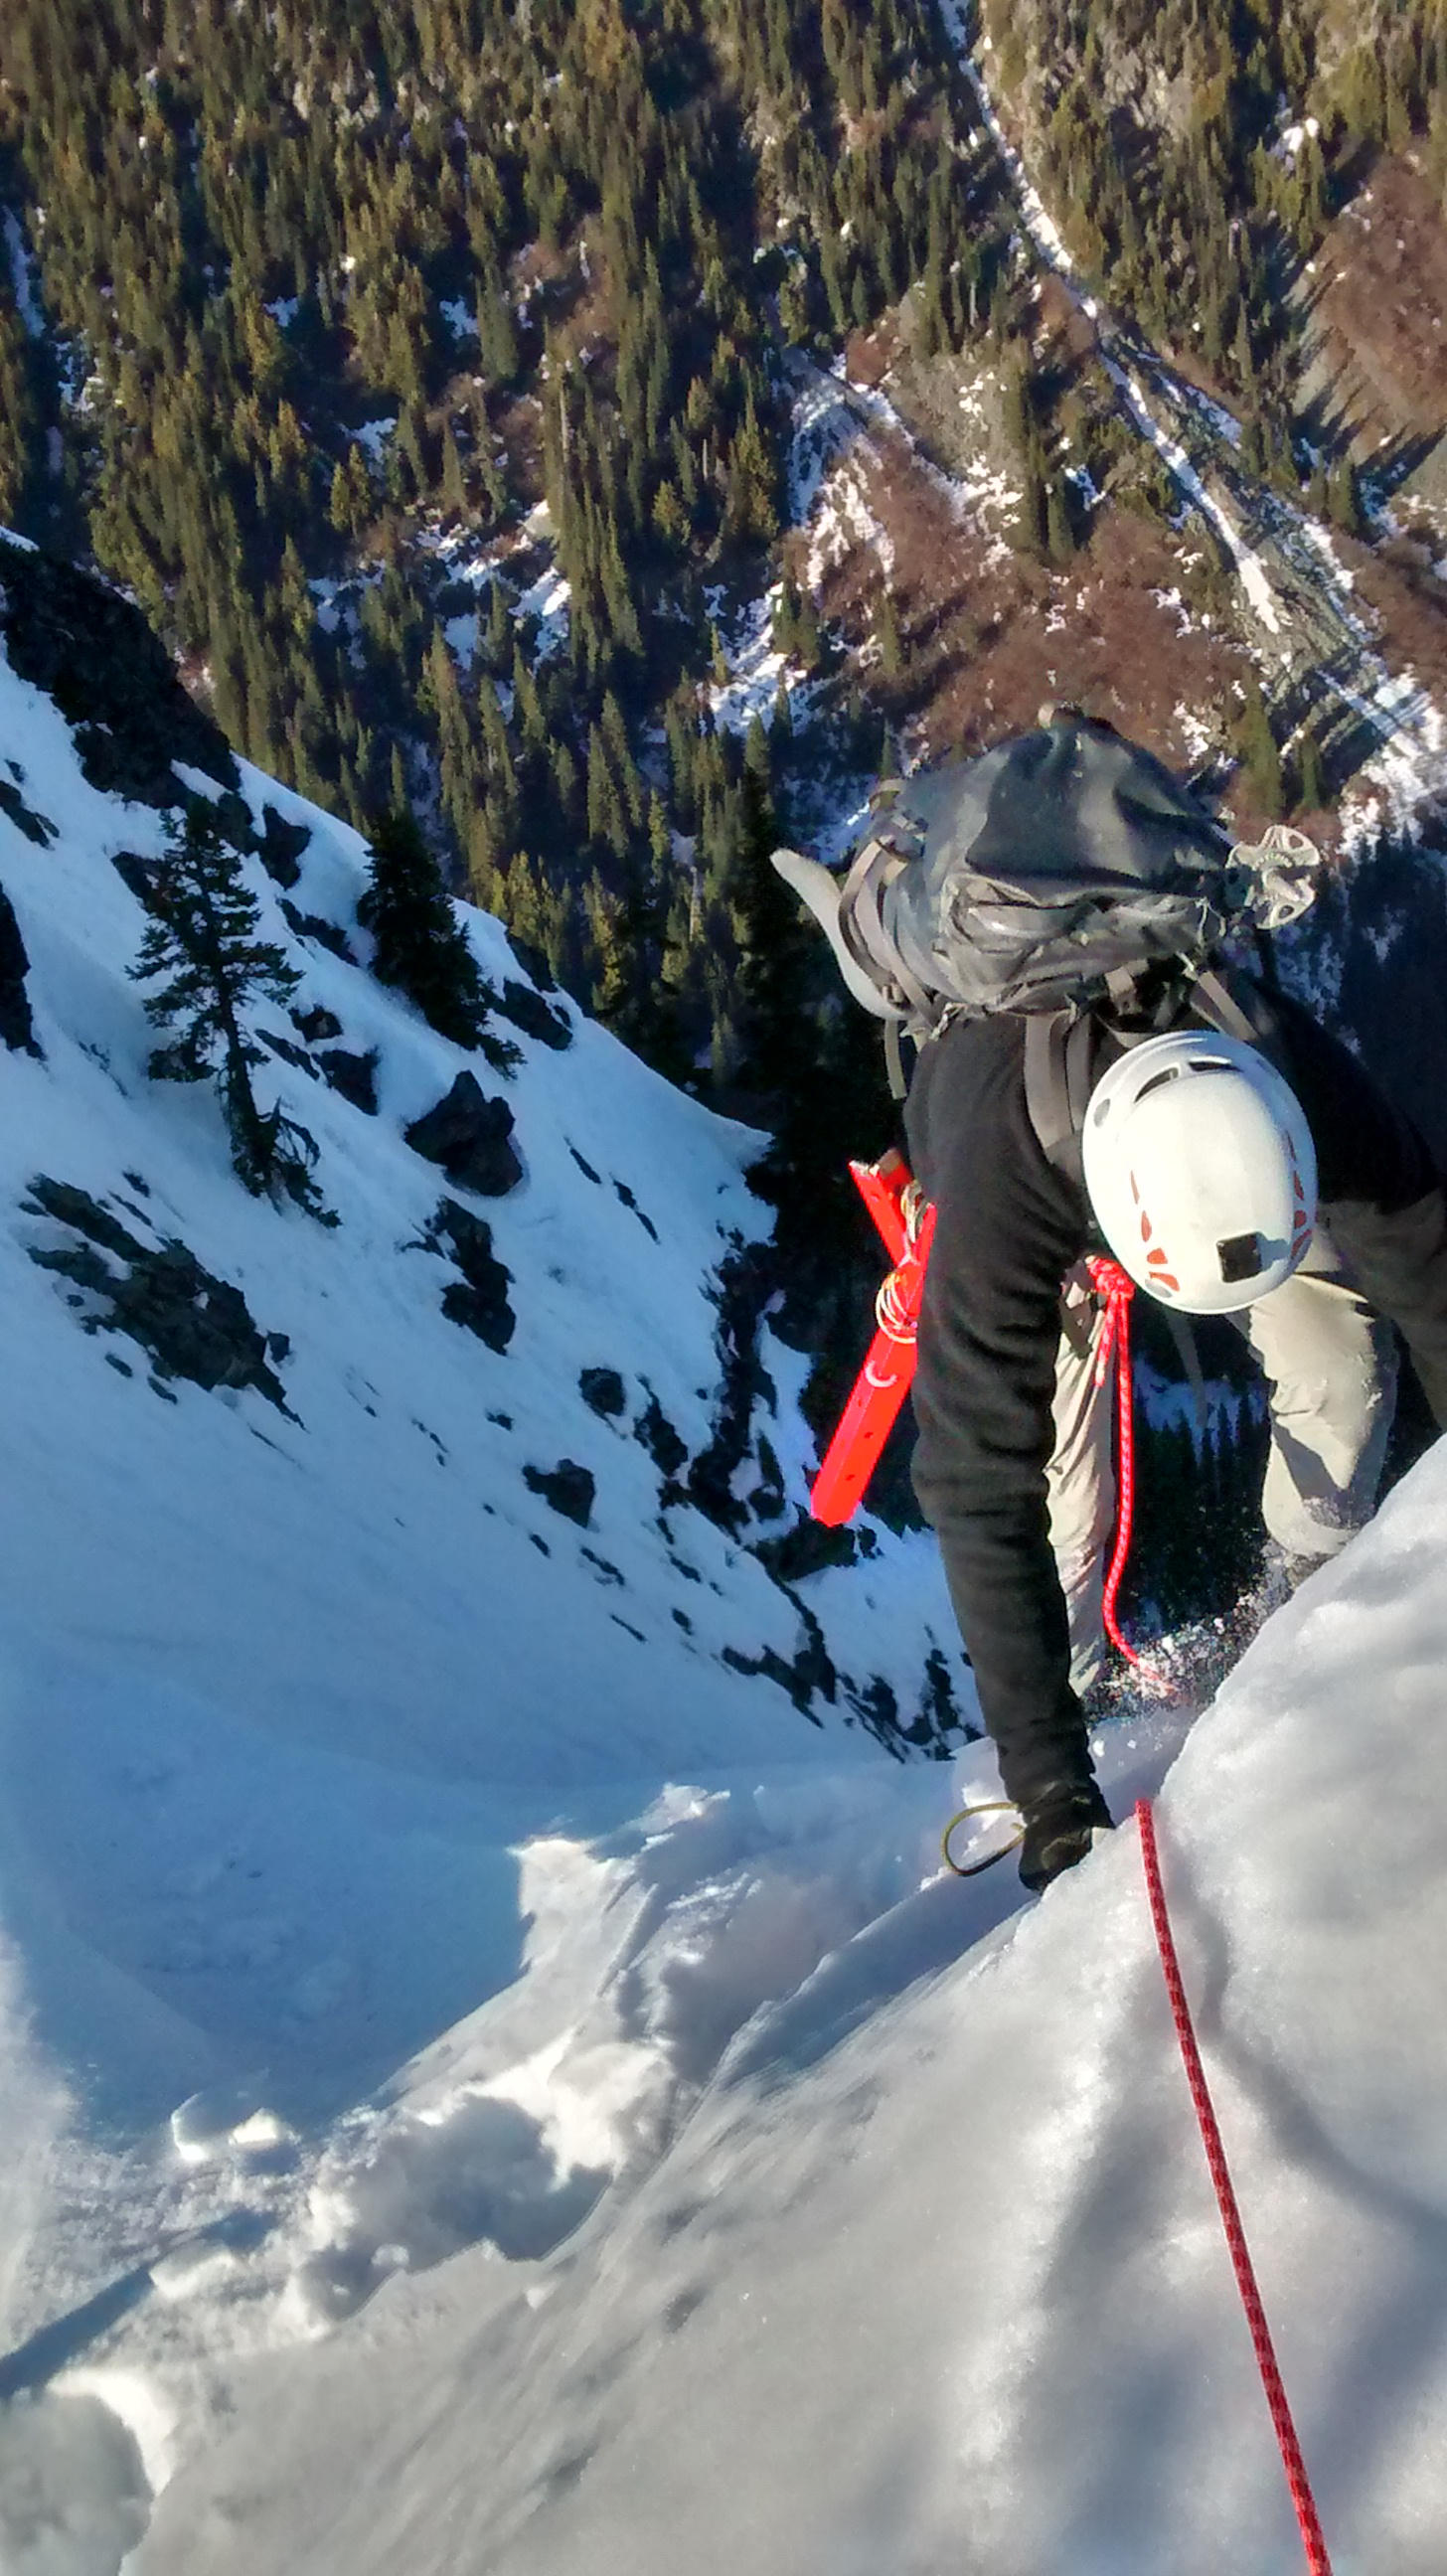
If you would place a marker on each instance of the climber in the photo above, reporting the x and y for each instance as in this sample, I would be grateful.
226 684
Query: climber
1041 919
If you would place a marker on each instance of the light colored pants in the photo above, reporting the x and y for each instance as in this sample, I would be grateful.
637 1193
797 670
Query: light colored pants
1331 1384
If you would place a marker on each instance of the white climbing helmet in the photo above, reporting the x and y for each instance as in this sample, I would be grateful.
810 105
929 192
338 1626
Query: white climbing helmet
1201 1171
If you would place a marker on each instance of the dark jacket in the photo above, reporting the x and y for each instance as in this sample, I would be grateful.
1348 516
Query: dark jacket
1009 1227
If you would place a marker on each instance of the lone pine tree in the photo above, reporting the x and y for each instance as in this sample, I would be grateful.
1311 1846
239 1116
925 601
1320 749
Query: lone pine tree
419 946
202 938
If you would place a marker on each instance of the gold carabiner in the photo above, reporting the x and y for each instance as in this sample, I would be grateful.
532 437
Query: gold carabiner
986 1807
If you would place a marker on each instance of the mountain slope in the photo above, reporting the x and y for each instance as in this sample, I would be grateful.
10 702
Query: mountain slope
350 1653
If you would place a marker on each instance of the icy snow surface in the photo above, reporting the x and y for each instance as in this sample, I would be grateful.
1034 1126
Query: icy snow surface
933 2276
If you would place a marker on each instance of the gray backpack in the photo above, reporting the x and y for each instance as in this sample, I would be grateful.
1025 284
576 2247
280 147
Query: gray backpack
1039 874
1050 877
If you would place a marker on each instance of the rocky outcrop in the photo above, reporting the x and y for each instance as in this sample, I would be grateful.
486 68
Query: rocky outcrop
280 847
190 1323
478 1300
567 1489
316 1024
314 925
602 1390
535 1017
354 1076
114 681
15 1023
471 1137
35 826
664 1445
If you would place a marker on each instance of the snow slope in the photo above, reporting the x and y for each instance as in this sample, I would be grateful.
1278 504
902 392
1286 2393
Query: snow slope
382 1858
933 2277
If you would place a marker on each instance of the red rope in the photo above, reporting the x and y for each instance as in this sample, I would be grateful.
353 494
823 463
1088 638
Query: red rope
1117 1288
1296 2477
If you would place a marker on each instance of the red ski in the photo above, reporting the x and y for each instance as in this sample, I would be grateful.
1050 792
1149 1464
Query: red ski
906 1221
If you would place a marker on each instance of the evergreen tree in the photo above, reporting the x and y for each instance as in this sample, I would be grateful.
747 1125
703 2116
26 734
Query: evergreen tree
1260 756
419 947
202 937
1344 498
1059 534
888 636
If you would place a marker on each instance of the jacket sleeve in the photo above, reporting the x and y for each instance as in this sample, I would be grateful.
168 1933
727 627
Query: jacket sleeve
1008 1229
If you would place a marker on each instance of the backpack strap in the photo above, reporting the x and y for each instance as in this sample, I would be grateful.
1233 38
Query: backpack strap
1236 1007
1060 1055
861 925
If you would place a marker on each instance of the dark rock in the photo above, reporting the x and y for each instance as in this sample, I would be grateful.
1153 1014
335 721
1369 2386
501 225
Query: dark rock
15 1023
745 1283
536 1018
138 874
94 654
282 844
354 1076
767 1501
534 963
567 1488
769 1664
805 1549
289 1051
278 1346
316 1024
602 1390
314 925
232 816
810 1673
470 1136
190 1323
137 1183
584 1166
607 1571
663 1444
83 1214
629 1201
35 827
478 1299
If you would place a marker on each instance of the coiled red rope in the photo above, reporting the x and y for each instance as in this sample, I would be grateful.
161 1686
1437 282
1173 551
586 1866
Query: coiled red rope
1296 2477
1117 1288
